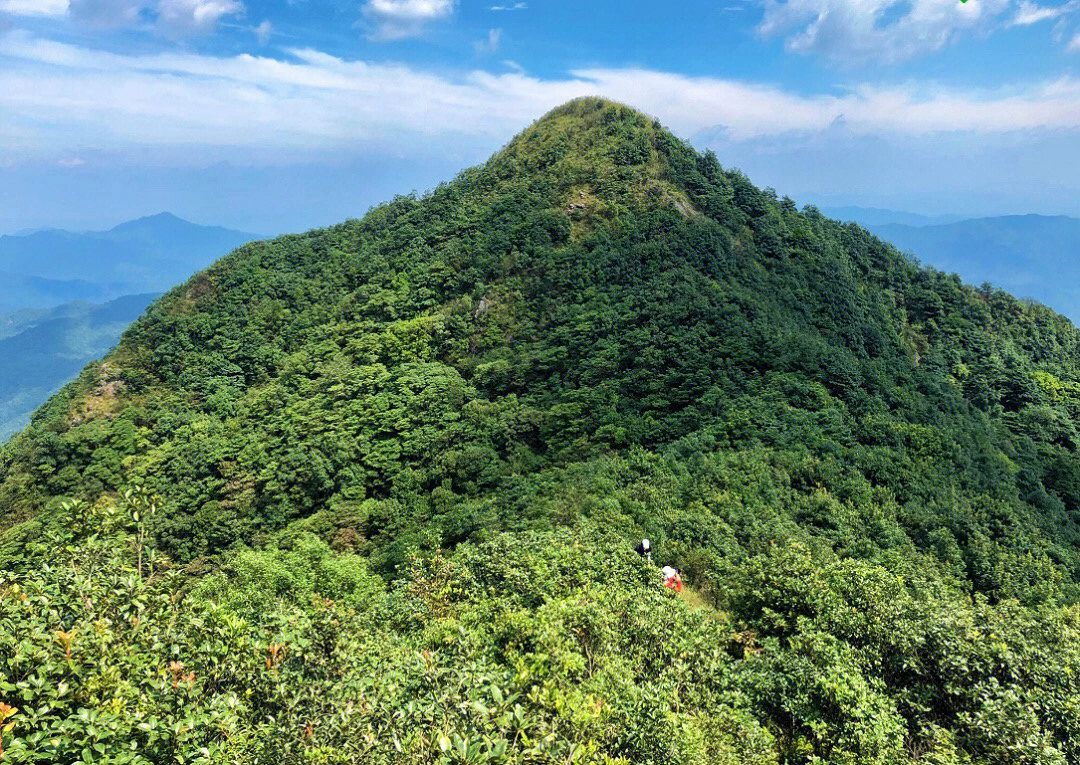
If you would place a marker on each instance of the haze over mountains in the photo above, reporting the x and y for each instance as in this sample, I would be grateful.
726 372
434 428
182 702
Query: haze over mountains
47 268
68 296
1035 257
877 216
371 493
46 349
1031 256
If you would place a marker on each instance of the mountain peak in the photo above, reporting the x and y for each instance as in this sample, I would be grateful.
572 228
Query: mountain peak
590 124
164 217
594 157
597 336
168 227
157 222
590 107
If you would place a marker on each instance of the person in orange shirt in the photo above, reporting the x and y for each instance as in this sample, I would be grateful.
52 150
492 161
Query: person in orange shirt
672 578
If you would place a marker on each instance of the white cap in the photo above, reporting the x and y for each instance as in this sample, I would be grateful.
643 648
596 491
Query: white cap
645 543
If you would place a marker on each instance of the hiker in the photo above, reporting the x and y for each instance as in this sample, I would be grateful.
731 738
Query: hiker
645 550
672 578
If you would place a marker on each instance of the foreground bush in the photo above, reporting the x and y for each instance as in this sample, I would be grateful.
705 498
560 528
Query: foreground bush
533 647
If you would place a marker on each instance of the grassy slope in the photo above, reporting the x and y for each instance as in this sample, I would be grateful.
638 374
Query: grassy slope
39 358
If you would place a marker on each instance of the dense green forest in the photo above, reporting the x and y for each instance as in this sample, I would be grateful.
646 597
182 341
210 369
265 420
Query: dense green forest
371 493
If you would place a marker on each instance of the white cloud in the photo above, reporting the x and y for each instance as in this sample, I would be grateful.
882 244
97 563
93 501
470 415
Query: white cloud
108 14
395 19
34 7
194 16
70 162
56 95
1074 44
171 17
1031 13
888 31
263 32
514 7
490 43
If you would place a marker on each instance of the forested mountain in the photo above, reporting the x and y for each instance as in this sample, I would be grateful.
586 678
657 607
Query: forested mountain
1032 256
371 493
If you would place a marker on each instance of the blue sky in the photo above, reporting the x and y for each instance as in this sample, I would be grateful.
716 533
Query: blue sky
275 115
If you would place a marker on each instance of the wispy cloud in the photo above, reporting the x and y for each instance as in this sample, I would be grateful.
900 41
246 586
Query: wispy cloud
34 7
109 14
170 17
57 95
193 16
263 32
490 43
397 19
1029 13
854 31
514 7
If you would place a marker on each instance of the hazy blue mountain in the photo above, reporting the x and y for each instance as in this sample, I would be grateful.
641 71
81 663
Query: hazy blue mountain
67 297
22 291
51 267
41 350
877 216
1033 256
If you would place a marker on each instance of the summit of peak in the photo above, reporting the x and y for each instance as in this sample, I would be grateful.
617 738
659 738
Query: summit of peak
592 154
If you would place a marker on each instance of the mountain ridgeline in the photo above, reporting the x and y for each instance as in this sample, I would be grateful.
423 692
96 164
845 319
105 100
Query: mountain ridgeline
51 325
371 493
140 256
1032 256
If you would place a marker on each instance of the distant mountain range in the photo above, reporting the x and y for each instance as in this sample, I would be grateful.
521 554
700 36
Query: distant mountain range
51 267
1031 256
44 350
1036 257
877 216
68 296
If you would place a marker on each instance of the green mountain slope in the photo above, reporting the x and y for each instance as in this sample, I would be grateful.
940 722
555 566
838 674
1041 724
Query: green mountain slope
1032 256
43 350
442 428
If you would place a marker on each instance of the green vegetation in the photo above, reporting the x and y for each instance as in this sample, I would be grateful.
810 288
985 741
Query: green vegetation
370 494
